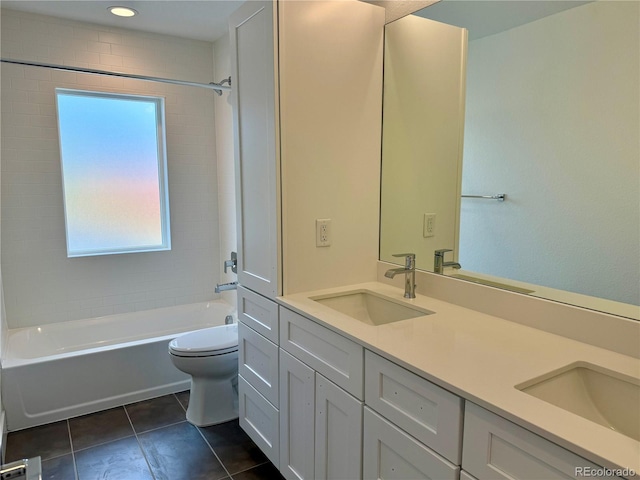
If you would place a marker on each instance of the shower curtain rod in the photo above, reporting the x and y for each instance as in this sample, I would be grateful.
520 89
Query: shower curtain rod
218 87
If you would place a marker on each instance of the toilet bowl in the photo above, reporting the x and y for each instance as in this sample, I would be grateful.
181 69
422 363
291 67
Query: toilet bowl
210 356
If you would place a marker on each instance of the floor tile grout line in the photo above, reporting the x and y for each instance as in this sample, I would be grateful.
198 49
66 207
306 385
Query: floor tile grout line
251 468
73 455
213 451
78 450
179 402
159 428
135 434
205 440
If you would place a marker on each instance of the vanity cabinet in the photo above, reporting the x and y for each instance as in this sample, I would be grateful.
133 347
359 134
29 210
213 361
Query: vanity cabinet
320 422
258 364
494 448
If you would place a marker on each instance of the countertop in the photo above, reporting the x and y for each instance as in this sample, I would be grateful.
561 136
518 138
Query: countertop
481 358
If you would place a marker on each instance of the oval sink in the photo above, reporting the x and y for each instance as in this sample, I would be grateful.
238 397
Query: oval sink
594 393
370 307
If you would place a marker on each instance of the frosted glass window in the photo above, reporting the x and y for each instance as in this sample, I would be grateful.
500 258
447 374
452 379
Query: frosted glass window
113 158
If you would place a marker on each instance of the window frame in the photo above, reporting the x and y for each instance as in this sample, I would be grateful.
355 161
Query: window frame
163 184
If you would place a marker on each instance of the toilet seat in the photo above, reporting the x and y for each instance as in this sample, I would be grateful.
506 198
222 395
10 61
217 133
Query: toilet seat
207 342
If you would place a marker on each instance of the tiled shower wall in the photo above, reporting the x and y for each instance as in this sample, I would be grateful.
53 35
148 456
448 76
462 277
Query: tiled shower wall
42 285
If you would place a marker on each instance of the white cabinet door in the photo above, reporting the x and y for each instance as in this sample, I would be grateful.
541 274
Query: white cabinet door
338 436
391 454
255 123
297 405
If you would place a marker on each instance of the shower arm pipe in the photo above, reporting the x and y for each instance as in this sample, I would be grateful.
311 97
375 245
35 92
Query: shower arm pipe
217 87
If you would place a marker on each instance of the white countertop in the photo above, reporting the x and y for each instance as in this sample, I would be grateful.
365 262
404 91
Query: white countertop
481 358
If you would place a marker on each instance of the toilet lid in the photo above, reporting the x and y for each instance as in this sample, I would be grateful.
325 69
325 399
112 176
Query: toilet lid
208 341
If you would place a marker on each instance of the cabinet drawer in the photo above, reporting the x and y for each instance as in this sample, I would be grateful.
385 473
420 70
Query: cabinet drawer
332 355
390 453
424 410
258 362
259 313
494 448
260 420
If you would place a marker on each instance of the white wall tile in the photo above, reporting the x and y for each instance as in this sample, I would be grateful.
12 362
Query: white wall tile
41 284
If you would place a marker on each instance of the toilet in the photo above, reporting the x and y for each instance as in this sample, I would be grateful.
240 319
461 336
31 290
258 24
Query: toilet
210 356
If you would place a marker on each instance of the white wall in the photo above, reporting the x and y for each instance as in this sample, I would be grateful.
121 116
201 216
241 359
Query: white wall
572 217
330 114
225 163
41 284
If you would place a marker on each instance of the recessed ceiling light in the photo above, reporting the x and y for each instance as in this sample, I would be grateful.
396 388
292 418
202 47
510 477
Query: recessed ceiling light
122 11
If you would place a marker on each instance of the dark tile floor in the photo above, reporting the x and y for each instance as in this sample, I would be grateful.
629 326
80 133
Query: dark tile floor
145 440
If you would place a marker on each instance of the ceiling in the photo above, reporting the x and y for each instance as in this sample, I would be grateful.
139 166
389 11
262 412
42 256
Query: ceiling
199 20
207 19
488 17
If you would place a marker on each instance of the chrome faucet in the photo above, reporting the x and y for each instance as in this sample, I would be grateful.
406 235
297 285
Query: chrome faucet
439 263
409 271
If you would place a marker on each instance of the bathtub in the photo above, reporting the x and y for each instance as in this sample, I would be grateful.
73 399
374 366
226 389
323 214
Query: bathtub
68 369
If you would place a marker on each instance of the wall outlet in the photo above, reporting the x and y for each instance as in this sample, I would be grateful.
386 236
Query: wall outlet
323 232
429 228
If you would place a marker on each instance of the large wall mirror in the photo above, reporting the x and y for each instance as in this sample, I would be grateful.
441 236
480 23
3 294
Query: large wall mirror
539 101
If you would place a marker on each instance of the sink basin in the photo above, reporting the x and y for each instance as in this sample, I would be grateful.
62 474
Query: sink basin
370 307
599 395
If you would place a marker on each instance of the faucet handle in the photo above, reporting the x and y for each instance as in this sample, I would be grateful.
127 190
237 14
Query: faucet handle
442 251
409 259
404 255
232 263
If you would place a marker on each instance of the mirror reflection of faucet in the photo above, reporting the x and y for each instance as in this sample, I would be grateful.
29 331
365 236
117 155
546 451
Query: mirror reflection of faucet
409 270
438 261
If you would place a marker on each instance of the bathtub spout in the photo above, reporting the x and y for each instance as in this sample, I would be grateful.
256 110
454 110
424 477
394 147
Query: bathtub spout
226 286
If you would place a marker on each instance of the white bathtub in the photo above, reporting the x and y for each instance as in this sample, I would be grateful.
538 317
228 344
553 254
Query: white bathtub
67 369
